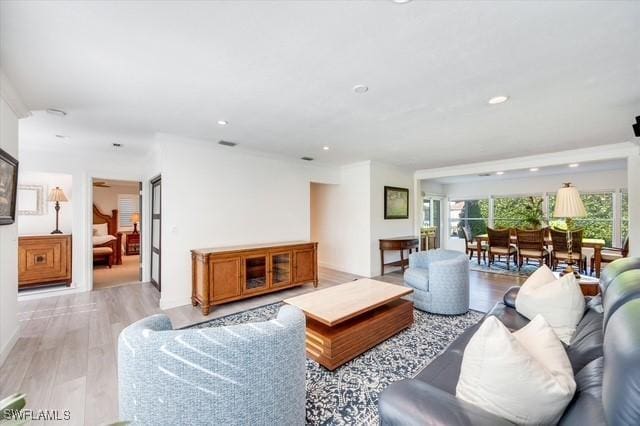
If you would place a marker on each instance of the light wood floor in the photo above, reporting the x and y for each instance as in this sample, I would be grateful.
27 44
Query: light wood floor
65 357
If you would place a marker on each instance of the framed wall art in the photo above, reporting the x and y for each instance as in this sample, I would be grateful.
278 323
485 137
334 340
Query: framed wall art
8 187
396 203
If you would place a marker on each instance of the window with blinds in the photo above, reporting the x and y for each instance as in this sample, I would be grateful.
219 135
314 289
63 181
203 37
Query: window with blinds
128 204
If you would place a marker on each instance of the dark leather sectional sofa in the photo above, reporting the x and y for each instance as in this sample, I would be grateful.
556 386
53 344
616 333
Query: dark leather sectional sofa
604 354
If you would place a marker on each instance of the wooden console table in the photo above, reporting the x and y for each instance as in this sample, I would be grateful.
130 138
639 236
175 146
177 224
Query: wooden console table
222 275
397 244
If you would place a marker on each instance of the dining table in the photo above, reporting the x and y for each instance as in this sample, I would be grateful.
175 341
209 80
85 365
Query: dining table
595 243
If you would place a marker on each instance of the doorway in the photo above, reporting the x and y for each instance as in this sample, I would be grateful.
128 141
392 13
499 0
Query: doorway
156 240
116 233
432 213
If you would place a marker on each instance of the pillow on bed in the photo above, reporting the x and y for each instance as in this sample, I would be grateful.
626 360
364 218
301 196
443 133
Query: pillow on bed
100 229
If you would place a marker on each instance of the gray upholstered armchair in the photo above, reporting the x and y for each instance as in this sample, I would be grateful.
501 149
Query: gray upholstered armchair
440 281
244 374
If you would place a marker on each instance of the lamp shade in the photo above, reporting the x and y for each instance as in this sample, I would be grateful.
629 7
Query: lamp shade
135 217
57 194
568 203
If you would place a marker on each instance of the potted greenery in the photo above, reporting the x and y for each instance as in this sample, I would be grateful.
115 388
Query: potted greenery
533 215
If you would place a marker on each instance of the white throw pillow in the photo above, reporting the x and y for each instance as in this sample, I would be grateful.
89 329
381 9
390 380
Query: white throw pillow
559 301
524 377
100 229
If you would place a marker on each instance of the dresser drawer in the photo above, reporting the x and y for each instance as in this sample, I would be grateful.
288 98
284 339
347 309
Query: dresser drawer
44 260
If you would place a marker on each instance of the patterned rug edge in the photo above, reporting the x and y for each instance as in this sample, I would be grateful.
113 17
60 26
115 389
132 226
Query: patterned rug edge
328 406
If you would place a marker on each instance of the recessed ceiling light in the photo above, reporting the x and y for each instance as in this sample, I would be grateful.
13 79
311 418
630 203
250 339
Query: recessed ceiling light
573 165
326 148
401 1
499 173
498 100
359 88
56 112
223 122
534 169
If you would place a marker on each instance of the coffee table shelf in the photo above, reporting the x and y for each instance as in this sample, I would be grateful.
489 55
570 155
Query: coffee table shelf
348 319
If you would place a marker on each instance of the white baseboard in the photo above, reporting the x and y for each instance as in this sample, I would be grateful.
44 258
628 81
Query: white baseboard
331 266
168 304
4 352
48 292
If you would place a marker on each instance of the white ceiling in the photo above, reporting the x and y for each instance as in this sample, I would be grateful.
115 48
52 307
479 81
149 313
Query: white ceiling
564 169
282 74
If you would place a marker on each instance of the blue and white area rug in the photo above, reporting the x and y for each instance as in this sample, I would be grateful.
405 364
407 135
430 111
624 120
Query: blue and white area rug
349 395
501 268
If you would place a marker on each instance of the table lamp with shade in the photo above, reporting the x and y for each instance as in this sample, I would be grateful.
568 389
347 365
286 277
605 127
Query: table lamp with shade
569 205
135 218
57 195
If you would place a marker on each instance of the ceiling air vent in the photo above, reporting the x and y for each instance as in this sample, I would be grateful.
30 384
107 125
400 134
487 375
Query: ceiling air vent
484 174
227 143
306 158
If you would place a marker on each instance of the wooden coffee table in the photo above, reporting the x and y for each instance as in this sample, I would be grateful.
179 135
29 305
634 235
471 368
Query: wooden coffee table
348 319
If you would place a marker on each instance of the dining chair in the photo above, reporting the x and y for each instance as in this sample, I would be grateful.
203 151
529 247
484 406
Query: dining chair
560 252
471 246
500 245
530 245
609 254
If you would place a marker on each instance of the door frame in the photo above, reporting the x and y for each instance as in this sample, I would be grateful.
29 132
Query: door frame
441 199
157 180
88 231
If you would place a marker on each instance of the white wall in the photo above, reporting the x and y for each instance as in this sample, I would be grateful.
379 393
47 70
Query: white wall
584 181
8 245
45 223
325 215
348 219
83 166
214 196
385 175
430 187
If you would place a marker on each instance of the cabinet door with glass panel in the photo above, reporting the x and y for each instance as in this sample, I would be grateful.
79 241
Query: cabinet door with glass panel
254 273
280 268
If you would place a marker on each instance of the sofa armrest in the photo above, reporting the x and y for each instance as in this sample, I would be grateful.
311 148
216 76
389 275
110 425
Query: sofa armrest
510 296
414 402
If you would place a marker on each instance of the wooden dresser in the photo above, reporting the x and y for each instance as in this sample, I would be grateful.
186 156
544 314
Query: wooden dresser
44 260
226 274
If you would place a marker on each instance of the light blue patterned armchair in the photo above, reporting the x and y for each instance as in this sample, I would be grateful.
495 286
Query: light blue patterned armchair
248 374
440 281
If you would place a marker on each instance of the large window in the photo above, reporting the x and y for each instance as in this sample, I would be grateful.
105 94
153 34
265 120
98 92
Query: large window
517 212
471 215
624 214
128 204
521 211
599 220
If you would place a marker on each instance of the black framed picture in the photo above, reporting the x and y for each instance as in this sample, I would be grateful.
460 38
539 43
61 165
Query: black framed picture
8 187
396 203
